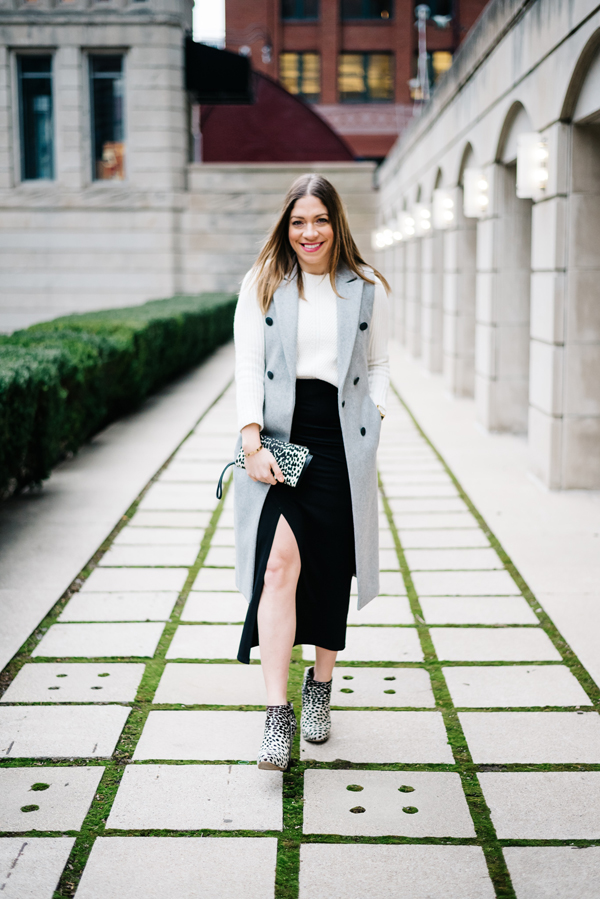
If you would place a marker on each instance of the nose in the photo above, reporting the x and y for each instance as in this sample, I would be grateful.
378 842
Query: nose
310 231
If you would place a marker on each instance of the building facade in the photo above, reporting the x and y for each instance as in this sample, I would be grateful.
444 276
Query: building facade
353 59
490 219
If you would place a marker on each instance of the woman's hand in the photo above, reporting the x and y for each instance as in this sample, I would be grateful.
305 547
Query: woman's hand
260 466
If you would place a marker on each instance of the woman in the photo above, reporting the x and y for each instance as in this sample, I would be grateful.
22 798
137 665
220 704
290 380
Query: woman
312 369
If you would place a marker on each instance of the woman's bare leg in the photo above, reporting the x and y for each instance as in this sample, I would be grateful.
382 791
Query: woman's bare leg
324 663
277 612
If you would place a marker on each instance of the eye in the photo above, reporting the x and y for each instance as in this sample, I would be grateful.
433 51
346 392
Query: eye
296 224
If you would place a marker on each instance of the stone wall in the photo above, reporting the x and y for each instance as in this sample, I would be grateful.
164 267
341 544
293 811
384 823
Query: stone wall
520 327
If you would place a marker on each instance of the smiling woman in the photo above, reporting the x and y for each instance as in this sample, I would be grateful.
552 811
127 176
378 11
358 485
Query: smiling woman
312 369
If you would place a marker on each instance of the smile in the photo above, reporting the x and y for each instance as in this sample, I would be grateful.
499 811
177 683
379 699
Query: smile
312 247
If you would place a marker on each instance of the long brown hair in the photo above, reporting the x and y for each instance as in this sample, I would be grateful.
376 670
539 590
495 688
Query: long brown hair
277 260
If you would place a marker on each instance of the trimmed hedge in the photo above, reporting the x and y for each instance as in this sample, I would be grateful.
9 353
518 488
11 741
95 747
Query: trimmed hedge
62 381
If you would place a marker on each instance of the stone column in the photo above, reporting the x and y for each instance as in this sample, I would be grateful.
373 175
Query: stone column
502 306
7 119
399 293
412 306
460 245
72 154
432 282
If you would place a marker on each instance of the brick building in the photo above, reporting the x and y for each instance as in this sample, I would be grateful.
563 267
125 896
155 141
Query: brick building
353 59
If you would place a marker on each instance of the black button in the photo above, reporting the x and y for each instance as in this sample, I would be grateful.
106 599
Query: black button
269 321
363 431
270 375
363 326
356 380
343 403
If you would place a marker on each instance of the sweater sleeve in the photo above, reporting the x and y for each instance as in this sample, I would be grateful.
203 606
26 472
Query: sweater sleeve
248 334
378 357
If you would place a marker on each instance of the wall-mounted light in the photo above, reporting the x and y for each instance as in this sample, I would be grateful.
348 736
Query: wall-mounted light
532 164
475 193
443 212
422 217
406 224
385 236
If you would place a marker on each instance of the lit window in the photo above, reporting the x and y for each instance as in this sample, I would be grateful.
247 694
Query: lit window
441 60
35 112
366 77
367 9
300 74
108 121
299 9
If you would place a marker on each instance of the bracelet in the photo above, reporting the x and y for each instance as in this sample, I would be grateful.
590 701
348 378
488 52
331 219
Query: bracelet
252 452
380 412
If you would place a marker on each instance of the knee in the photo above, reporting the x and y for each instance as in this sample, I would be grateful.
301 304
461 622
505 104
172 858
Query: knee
282 571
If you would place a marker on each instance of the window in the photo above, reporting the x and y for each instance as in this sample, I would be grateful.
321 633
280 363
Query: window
441 60
35 113
366 77
367 9
300 74
299 9
106 92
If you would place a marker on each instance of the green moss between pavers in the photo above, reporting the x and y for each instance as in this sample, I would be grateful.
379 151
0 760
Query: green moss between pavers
290 839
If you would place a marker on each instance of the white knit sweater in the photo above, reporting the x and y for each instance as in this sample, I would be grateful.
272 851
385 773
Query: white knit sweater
317 344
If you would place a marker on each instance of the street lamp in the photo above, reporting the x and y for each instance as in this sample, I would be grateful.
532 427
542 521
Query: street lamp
475 193
444 213
532 165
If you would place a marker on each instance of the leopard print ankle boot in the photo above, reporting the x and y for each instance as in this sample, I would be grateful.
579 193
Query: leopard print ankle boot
280 728
316 718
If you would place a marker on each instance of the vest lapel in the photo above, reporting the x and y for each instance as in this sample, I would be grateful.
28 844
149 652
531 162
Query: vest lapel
349 288
286 306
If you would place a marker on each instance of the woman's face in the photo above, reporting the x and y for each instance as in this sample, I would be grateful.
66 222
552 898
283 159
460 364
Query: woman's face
311 235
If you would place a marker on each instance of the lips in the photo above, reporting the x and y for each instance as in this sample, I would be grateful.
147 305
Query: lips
311 247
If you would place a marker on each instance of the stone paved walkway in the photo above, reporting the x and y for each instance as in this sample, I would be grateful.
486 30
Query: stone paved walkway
465 756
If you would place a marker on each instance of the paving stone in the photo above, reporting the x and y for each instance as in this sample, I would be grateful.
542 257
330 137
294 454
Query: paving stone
329 871
30 868
388 560
119 606
76 682
381 738
465 583
60 731
382 610
201 736
188 471
179 497
180 868
400 476
401 506
221 557
149 536
62 796
404 467
437 804
420 491
532 737
207 641
443 538
390 584
125 580
204 606
434 520
226 518
449 559
477 610
192 684
174 556
386 539
554 872
544 805
100 640
377 644
377 687
179 520
197 797
215 579
223 537
456 644
513 686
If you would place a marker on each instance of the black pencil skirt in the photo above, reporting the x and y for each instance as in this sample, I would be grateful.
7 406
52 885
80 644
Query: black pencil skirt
319 512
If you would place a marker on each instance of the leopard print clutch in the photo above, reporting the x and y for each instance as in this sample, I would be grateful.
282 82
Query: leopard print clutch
292 459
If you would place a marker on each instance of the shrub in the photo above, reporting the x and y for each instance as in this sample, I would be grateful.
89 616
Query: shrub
61 381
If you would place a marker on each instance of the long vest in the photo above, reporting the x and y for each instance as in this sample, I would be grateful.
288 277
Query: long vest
359 416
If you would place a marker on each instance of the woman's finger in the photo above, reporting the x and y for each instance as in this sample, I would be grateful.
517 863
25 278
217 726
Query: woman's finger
277 472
